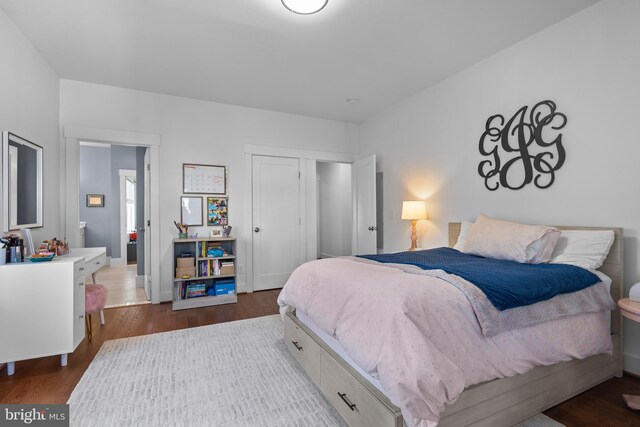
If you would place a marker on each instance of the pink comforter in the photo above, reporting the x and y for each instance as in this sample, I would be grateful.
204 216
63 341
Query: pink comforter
419 336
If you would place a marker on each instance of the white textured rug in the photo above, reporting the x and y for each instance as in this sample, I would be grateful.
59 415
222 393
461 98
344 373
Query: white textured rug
230 374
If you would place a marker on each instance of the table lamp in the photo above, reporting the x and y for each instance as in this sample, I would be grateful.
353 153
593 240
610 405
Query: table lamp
414 211
634 293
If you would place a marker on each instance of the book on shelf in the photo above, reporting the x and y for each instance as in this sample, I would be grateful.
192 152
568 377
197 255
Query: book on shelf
203 268
195 290
180 291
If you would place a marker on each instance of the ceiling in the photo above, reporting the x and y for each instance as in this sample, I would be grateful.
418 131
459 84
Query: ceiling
255 53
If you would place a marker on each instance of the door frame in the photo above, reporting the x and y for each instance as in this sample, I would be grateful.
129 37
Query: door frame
308 202
122 230
70 185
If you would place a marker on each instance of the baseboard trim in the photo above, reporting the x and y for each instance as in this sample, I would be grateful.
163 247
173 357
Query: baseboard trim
242 288
118 262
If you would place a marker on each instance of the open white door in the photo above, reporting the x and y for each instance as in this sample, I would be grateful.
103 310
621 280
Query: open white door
365 230
145 228
276 220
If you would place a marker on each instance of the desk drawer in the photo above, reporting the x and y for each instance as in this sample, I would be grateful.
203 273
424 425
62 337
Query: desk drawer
98 263
79 270
78 317
78 303
78 286
353 401
304 348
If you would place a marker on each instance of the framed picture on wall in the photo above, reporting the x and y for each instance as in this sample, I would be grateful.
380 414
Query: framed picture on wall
191 210
95 200
204 179
217 211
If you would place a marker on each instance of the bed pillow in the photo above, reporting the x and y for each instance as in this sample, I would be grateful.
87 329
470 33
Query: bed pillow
465 226
583 248
492 238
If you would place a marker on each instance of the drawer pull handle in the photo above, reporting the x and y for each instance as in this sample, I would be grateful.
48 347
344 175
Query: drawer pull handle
97 262
81 316
80 284
81 269
295 343
344 398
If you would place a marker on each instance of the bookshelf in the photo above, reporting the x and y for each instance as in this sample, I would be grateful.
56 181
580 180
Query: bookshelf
210 263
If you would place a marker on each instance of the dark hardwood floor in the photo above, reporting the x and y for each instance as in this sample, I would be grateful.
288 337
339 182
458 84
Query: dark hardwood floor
45 381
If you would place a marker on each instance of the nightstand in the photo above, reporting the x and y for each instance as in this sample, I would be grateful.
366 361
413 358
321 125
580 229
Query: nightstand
630 310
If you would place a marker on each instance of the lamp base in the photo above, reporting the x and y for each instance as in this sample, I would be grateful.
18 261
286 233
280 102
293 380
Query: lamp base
414 236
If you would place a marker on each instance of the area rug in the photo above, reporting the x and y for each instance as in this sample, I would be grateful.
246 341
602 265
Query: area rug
230 374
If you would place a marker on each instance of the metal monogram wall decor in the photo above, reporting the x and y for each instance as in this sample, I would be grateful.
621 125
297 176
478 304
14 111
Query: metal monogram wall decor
526 148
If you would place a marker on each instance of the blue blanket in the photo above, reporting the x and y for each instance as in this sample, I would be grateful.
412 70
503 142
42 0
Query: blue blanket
507 284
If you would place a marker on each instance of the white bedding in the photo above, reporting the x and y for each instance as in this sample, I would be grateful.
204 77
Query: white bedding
419 337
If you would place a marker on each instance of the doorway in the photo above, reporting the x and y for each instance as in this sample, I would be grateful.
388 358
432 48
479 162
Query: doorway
334 209
117 172
293 213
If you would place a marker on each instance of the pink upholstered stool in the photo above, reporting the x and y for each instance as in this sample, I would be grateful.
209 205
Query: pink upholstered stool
95 299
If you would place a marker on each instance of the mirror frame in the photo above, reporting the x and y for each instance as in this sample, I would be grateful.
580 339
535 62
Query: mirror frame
4 191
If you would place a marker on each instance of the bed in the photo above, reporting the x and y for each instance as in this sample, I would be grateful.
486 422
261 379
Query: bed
361 401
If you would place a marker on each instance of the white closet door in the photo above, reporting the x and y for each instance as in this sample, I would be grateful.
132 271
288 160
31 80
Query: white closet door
276 220
365 231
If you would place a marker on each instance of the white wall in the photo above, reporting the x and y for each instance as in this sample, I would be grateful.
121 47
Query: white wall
334 209
195 131
29 106
588 64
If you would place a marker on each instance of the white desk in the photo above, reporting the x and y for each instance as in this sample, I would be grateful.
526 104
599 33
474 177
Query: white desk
42 306
94 259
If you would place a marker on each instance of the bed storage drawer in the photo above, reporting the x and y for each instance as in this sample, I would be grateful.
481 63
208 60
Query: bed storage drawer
304 348
354 402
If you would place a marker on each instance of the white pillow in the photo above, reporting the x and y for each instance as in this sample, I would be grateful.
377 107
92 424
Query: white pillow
465 226
492 238
583 248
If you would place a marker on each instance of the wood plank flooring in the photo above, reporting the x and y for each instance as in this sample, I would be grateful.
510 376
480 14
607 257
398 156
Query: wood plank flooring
45 381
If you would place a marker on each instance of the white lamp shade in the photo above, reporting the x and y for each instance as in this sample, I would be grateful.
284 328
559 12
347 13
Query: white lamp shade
634 293
414 210
305 7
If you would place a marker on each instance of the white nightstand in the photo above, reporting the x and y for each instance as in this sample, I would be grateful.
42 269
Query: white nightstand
630 310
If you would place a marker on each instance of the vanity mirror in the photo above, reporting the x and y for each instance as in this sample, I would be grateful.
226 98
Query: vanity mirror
21 183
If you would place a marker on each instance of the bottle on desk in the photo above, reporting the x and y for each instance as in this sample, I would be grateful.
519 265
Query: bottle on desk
15 250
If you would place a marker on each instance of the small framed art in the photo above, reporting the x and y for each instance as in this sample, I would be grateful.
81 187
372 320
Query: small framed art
191 210
95 200
217 211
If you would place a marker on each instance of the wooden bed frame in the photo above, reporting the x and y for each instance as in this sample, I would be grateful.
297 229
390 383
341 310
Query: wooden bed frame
501 402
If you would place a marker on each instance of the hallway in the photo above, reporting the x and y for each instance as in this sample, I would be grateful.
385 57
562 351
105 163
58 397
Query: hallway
121 286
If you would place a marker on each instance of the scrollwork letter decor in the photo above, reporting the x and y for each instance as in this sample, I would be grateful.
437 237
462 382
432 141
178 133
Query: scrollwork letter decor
526 148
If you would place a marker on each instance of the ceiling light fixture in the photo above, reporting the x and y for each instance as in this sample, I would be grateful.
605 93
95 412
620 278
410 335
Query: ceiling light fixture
305 7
